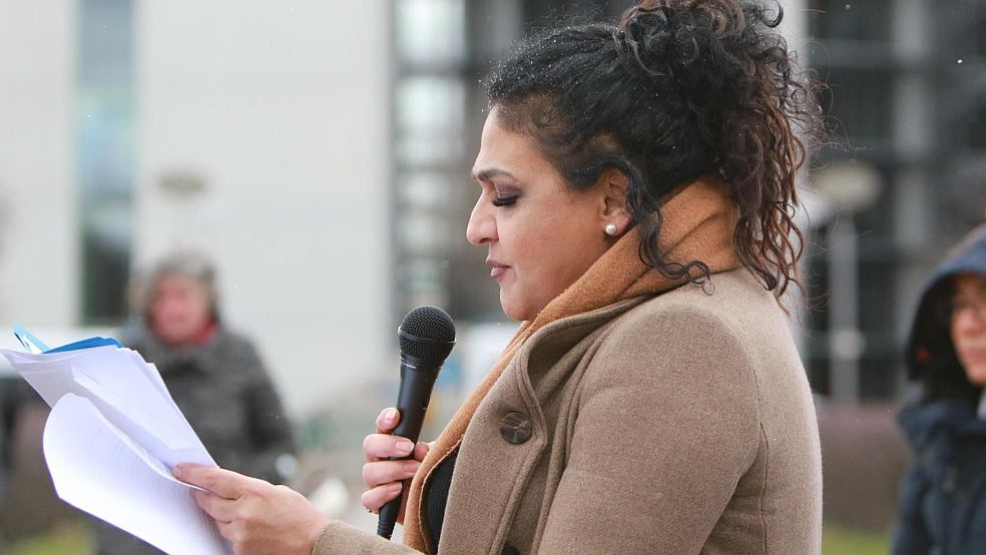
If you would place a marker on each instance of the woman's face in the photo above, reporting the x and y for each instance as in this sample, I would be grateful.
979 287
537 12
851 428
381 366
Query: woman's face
179 309
541 235
968 325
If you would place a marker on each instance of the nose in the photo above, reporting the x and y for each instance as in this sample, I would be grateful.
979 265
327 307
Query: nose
482 223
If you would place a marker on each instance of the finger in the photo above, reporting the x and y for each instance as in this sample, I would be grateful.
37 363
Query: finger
220 482
220 509
387 420
374 499
420 450
381 446
230 531
386 472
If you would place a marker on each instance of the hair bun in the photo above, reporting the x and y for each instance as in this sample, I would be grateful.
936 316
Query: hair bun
666 36
641 23
649 32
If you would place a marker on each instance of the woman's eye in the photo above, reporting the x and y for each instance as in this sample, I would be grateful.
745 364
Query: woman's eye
504 200
961 306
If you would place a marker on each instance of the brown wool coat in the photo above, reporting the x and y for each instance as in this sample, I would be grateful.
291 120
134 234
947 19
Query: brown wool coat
681 423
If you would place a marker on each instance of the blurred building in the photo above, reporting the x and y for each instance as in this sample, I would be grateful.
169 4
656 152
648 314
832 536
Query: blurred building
442 49
902 178
906 100
256 133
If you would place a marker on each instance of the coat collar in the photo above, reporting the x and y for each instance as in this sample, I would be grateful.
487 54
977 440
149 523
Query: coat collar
533 384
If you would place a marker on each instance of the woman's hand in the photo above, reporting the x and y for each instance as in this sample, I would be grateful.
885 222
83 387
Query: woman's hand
383 477
256 516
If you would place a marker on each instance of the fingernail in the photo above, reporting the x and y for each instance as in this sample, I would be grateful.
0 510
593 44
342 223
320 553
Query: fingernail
411 467
390 415
176 472
395 488
404 446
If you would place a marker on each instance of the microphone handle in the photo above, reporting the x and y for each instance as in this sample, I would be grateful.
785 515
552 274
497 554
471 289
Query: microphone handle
417 381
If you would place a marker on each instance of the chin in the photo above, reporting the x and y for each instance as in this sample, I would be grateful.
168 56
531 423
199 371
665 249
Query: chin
513 310
514 314
976 373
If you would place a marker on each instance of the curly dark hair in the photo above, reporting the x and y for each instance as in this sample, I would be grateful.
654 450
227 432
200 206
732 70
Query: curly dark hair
678 90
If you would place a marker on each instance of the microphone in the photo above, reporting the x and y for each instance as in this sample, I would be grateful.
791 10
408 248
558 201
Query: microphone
427 336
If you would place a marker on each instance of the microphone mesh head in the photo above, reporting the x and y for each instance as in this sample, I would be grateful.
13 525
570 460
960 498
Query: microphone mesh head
427 333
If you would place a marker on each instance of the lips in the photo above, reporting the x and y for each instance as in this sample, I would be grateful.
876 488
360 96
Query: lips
497 269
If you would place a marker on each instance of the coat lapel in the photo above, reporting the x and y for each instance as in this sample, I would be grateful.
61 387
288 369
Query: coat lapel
496 469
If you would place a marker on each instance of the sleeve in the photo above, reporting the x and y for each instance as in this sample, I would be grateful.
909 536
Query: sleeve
270 428
341 538
911 536
667 424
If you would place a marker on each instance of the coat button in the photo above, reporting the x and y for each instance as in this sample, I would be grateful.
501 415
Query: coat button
515 428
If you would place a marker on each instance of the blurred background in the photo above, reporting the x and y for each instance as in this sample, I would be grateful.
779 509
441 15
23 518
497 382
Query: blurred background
319 152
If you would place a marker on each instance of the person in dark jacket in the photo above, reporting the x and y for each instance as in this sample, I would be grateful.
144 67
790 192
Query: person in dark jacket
214 375
943 497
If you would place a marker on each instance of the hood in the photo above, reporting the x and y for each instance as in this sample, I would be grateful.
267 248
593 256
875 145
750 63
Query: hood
930 354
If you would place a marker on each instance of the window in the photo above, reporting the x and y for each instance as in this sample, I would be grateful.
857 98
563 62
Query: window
105 155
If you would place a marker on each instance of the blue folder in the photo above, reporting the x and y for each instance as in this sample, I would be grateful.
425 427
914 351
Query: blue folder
27 339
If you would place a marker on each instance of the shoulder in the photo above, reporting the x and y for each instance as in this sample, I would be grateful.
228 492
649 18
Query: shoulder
691 336
731 333
237 352
231 341
676 361
730 310
137 338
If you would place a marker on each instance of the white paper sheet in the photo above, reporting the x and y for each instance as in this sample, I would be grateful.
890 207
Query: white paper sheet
99 469
112 437
124 388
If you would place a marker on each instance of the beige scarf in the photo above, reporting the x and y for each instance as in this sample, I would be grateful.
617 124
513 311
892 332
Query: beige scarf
698 225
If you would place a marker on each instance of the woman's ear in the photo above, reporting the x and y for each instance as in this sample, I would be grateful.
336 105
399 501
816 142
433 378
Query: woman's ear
613 185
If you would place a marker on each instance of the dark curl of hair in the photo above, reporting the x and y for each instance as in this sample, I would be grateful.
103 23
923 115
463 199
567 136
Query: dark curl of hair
680 89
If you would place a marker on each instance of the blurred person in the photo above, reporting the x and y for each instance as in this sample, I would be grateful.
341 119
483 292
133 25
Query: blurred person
636 191
943 496
214 375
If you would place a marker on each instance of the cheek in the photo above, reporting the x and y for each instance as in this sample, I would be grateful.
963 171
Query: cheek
539 251
555 257
976 372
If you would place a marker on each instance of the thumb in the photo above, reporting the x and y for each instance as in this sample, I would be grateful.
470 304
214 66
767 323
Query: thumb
223 483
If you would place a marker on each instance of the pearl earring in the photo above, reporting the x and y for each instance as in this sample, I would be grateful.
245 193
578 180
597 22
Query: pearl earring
610 229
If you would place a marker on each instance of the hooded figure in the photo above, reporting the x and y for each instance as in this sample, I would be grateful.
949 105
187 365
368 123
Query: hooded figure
943 498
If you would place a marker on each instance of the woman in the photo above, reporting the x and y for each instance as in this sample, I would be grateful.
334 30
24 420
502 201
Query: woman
214 375
943 499
636 186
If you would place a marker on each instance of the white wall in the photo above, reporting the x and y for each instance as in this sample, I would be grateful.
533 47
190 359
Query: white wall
39 239
279 111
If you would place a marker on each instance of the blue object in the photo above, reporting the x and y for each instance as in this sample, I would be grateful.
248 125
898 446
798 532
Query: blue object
27 339
90 343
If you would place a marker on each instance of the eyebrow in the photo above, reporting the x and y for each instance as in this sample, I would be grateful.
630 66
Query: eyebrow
486 175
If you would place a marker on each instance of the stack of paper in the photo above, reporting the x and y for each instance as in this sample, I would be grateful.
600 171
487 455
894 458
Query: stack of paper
113 435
